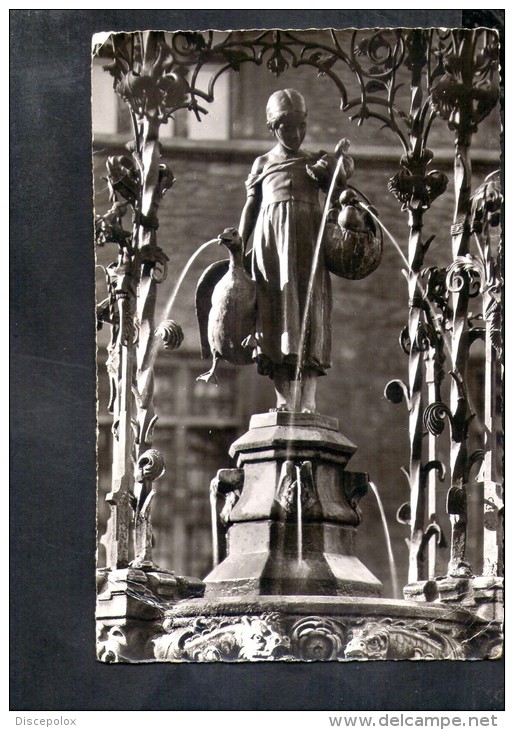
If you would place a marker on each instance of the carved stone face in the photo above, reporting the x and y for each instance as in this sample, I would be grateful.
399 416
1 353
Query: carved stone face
318 639
259 640
290 132
318 646
371 642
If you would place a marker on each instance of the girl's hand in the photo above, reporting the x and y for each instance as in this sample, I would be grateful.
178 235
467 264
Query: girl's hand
348 165
342 146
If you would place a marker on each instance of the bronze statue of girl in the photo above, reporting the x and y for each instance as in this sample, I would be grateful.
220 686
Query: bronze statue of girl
290 276
283 211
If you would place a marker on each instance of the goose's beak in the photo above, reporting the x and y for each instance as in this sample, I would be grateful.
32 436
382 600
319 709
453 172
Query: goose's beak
226 237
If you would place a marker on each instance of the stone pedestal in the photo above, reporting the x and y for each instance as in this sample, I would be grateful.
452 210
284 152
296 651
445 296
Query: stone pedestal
291 588
292 530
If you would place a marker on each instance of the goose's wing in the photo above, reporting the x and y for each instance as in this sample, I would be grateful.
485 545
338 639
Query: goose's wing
206 284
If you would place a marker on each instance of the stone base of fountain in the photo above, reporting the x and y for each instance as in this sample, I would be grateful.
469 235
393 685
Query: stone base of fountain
290 587
130 606
321 628
292 529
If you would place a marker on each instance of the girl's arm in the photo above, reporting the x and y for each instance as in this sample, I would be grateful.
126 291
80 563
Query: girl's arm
249 218
252 206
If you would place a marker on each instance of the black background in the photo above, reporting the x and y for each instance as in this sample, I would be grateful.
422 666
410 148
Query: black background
52 419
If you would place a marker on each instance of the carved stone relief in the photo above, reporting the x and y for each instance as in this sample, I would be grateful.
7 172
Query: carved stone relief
272 637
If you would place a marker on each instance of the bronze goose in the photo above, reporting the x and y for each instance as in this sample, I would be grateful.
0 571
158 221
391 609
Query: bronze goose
226 308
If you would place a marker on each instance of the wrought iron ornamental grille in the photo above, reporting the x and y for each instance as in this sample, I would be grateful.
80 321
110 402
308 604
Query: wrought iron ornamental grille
402 80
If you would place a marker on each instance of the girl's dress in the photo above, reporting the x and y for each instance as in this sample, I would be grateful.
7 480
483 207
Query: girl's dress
284 241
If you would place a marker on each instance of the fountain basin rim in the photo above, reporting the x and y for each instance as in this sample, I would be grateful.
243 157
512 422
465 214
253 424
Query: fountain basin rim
336 606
